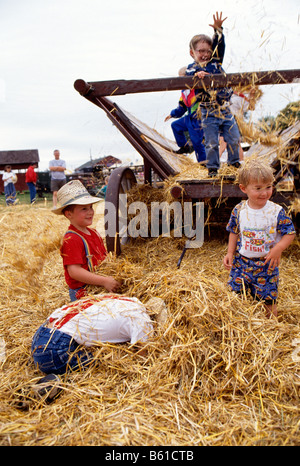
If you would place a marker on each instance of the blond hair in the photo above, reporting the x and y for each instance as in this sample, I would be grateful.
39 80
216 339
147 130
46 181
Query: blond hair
182 71
200 38
255 170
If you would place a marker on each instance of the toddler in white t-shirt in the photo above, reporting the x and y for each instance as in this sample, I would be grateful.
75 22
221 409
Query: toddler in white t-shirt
259 231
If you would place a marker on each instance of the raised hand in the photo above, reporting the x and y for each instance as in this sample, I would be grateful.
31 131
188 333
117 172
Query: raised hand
218 21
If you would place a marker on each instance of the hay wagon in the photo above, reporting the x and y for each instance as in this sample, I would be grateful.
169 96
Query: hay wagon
160 159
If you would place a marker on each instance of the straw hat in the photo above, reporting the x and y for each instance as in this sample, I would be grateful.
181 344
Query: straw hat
73 193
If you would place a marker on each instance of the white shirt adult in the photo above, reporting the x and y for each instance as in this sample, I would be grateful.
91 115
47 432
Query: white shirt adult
57 167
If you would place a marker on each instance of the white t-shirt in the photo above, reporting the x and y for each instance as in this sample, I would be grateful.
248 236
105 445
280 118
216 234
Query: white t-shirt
103 318
239 104
259 229
8 177
57 175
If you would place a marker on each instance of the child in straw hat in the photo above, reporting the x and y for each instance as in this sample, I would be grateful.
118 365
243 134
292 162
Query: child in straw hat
259 232
82 247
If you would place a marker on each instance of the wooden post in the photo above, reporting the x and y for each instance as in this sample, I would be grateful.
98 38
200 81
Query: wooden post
122 86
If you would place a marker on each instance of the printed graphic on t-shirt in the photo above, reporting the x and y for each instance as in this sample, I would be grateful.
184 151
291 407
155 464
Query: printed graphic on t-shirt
259 230
258 240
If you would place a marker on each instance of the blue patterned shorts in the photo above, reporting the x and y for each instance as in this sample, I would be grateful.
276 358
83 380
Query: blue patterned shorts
253 274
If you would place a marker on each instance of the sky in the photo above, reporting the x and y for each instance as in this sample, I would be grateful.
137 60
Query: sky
47 45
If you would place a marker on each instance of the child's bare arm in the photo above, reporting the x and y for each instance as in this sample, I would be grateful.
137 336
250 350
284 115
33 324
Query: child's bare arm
274 255
228 259
82 275
57 169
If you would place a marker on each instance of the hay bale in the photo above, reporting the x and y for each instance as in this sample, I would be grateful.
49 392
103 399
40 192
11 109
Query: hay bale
216 372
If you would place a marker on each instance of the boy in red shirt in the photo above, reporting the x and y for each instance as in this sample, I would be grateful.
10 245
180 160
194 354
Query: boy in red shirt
31 179
82 248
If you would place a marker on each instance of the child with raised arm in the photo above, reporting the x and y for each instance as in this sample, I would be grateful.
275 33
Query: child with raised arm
82 247
259 231
186 113
213 103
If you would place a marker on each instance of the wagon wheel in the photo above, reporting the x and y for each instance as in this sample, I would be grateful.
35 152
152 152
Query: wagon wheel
120 182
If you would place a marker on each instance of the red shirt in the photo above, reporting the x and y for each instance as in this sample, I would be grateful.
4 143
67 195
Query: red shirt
31 176
73 252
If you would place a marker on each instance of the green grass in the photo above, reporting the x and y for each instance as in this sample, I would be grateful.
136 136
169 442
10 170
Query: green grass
24 198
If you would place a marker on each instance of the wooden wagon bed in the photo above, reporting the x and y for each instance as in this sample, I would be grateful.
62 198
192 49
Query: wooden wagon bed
159 154
158 151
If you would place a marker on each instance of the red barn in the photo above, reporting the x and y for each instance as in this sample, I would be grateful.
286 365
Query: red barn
18 160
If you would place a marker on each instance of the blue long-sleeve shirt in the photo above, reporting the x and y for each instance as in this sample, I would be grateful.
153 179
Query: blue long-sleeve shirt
212 97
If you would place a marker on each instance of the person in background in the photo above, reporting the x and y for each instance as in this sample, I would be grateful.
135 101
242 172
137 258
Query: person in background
31 179
57 168
240 103
9 178
102 191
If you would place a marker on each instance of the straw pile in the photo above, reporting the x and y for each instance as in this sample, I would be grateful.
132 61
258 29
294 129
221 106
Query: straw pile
253 134
216 372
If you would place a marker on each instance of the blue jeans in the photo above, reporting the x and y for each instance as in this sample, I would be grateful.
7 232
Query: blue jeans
193 126
214 120
53 352
32 191
72 293
10 194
